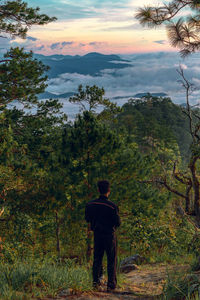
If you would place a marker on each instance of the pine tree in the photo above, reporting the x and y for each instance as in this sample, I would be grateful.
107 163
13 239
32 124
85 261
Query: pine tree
183 32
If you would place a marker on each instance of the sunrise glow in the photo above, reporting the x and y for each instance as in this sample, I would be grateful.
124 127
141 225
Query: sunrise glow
87 26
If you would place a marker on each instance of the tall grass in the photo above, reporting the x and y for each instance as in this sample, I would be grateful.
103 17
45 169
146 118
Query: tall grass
39 278
182 286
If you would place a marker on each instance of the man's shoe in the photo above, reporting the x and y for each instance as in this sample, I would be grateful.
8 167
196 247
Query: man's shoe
110 290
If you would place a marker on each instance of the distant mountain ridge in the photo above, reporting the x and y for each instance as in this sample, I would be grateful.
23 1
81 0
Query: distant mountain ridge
47 95
90 64
141 95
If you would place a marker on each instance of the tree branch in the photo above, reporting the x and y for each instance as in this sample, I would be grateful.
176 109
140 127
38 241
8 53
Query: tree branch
187 180
164 182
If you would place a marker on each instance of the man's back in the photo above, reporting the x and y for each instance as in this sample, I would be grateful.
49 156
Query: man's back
103 215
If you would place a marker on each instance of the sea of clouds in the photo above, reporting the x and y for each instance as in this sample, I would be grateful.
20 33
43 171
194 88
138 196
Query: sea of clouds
149 72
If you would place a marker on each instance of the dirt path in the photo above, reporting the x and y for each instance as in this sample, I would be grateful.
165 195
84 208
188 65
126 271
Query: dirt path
150 279
145 283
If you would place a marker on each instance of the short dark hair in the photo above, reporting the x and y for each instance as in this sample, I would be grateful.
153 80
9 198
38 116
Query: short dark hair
103 186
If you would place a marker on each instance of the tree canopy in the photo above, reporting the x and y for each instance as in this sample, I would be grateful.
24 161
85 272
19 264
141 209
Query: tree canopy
21 76
16 18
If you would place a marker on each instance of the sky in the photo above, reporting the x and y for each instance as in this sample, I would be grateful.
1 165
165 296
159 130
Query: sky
82 26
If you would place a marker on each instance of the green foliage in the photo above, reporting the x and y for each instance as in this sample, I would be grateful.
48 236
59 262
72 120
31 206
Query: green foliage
154 121
91 98
16 18
57 174
53 170
21 77
27 152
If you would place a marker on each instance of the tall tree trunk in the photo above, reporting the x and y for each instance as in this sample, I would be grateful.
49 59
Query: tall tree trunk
187 199
89 233
195 185
196 202
89 243
1 242
57 234
1 246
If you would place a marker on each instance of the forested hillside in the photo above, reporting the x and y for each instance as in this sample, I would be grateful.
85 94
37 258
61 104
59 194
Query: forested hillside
50 168
91 63
158 119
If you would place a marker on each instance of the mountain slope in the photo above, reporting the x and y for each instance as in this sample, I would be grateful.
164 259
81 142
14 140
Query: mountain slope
89 64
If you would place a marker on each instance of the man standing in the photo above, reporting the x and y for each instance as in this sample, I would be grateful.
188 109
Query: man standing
103 215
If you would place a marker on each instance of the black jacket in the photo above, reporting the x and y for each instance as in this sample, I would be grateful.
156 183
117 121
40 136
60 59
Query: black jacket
103 215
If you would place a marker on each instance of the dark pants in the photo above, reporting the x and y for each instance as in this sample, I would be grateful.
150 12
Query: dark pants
105 243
